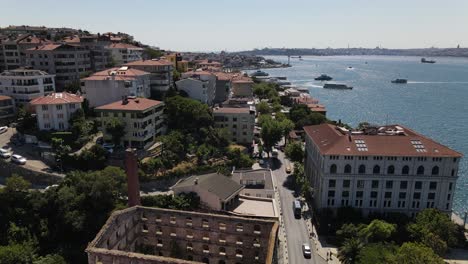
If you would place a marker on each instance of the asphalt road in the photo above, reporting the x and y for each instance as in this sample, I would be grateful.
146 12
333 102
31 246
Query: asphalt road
296 230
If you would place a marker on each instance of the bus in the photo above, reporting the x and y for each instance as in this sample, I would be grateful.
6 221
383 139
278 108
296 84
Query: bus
297 209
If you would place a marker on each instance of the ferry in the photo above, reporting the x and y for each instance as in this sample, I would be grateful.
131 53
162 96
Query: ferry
323 77
423 60
337 86
400 81
259 73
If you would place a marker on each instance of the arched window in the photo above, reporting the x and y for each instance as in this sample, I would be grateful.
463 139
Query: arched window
239 227
347 168
391 169
222 250
362 169
405 170
206 249
435 170
333 169
257 229
420 170
376 169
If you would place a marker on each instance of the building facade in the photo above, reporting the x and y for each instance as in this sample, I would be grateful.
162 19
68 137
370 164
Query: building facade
53 111
7 109
258 183
13 49
143 119
111 85
124 53
223 87
242 87
160 73
379 169
198 85
100 56
239 121
152 235
25 84
67 62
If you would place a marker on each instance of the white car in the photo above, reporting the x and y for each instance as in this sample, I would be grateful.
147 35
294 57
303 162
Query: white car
3 129
306 250
18 159
5 153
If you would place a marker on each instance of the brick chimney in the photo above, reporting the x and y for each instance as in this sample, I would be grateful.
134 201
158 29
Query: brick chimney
133 183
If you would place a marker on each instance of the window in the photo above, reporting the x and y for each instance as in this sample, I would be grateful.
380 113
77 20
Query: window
433 185
405 170
360 184
453 172
450 186
60 116
61 126
376 169
391 169
206 249
373 194
388 195
417 195
158 230
189 246
222 251
389 184
418 185
45 107
205 223
331 183
331 193
347 168
435 170
172 220
402 195
188 221
257 229
420 170
345 194
239 253
362 169
59 107
346 183
222 226
239 227
359 194
403 184
375 184
431 196
333 169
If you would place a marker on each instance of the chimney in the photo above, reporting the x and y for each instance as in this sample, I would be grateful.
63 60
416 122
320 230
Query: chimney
133 184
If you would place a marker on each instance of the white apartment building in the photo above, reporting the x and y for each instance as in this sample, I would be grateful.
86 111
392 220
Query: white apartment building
198 85
54 110
160 70
124 53
143 118
111 85
25 84
239 121
379 169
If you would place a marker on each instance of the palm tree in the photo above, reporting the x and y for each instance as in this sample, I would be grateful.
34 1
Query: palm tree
349 251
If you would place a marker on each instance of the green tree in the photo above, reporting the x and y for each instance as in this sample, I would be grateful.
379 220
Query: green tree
348 231
16 183
416 253
376 253
350 250
294 152
61 150
151 53
186 114
16 254
287 125
378 231
239 159
116 128
271 133
263 108
50 259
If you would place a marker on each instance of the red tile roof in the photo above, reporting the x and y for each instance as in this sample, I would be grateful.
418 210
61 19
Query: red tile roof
58 98
49 46
331 141
133 104
153 62
224 76
4 97
122 46
242 79
122 73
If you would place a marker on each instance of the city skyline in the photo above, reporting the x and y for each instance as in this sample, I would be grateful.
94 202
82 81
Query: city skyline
213 26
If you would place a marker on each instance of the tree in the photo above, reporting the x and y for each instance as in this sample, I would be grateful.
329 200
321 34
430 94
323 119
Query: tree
349 251
239 159
73 87
294 152
16 183
151 53
186 114
302 116
50 259
116 128
347 231
377 231
61 150
416 253
16 254
263 108
288 126
271 133
376 253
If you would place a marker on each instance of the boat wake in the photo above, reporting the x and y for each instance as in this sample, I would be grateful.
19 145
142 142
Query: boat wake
415 82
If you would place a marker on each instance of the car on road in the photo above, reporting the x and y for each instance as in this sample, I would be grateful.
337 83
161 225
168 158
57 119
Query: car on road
306 250
288 169
5 153
297 209
18 159
3 129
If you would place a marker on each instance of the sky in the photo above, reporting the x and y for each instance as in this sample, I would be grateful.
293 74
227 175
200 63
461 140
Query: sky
216 25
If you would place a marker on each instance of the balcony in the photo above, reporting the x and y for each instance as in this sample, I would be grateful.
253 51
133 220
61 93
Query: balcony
26 92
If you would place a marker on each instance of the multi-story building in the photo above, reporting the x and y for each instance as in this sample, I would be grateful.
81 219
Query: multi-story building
67 62
25 84
53 111
162 236
379 169
143 119
242 86
160 70
239 121
258 183
100 57
223 87
7 109
199 85
111 85
14 49
124 53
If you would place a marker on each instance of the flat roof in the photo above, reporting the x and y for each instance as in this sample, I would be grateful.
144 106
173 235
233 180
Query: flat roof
231 110
255 175
252 206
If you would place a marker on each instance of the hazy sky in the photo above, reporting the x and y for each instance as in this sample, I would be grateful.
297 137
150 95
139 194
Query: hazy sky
203 25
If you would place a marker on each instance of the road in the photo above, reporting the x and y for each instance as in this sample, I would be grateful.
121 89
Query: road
296 230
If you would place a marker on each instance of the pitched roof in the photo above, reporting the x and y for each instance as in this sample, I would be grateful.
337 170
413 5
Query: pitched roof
242 79
132 104
57 98
49 46
387 142
122 73
122 46
215 183
4 97
153 62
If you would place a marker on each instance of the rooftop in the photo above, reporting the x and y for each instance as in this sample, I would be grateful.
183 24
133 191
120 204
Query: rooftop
231 110
215 183
131 104
153 62
257 207
57 98
391 140
23 72
4 97
122 73
122 46
260 175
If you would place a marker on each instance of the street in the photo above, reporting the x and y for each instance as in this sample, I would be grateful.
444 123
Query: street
296 230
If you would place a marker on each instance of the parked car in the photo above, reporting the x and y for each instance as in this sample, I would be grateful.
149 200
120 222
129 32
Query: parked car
109 147
18 159
5 153
306 250
3 129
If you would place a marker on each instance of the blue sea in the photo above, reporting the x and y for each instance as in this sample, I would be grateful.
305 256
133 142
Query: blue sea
434 102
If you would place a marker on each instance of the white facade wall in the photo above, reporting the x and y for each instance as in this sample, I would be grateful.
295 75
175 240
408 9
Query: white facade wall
25 88
55 116
202 90
389 195
206 198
